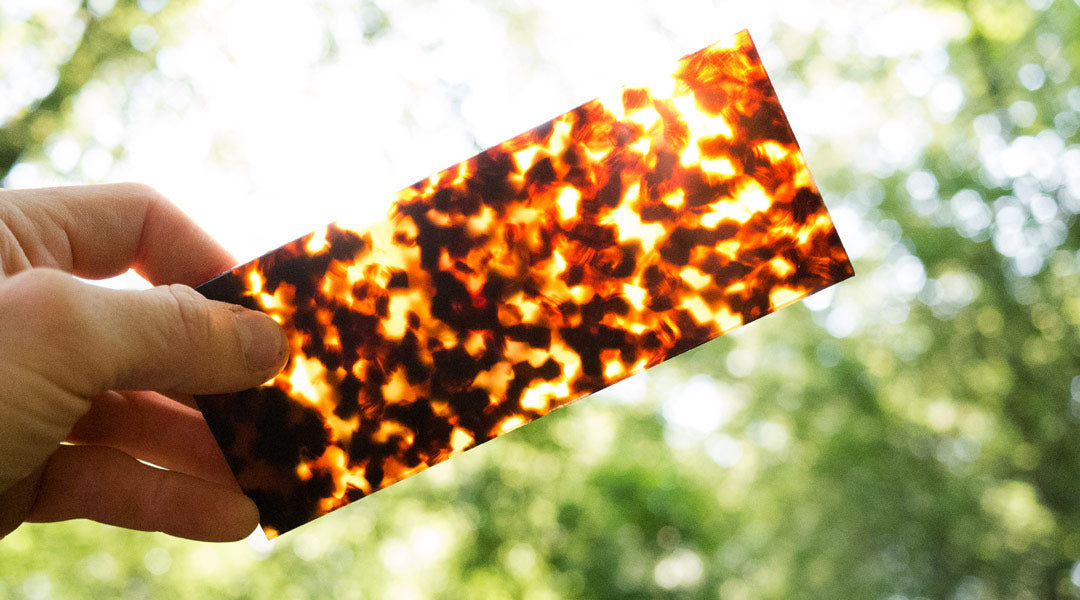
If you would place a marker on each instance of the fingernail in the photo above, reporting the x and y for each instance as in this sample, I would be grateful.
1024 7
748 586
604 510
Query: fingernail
262 339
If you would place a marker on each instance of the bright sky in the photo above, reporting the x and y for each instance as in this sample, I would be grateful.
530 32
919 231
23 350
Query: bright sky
262 135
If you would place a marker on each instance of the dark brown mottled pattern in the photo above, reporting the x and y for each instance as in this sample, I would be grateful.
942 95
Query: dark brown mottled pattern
544 269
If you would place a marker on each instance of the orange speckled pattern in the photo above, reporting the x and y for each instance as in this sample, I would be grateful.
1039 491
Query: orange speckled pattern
557 263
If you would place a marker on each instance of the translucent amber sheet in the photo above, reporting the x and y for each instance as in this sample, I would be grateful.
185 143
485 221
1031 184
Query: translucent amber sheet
574 255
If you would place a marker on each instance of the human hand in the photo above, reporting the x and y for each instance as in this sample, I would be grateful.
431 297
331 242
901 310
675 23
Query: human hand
67 347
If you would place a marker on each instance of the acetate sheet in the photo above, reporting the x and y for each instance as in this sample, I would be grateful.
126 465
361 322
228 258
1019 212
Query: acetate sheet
605 241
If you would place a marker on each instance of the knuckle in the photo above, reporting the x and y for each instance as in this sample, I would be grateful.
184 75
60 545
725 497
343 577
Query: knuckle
46 322
41 301
191 312
148 502
142 190
43 288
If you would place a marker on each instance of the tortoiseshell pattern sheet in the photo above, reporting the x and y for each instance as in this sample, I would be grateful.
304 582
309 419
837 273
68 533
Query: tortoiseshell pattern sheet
555 264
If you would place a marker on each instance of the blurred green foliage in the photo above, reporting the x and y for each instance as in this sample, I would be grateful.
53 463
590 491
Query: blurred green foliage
914 435
105 42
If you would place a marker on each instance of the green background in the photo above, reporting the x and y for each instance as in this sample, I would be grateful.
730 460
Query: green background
913 434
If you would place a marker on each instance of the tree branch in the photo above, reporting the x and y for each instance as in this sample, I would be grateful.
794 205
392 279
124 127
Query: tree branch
104 38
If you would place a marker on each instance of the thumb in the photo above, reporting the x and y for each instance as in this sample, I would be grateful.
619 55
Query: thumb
63 342
90 339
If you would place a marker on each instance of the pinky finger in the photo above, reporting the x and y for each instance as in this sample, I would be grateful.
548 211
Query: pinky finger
108 486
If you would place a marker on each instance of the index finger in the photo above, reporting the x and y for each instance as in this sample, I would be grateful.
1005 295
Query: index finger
99 231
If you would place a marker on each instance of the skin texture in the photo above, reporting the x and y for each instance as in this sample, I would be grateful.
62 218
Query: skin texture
92 379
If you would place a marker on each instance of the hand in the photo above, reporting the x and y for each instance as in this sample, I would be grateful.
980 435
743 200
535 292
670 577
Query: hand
67 347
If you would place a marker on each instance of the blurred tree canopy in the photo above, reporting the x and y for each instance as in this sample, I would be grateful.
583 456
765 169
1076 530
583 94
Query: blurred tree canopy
914 433
109 38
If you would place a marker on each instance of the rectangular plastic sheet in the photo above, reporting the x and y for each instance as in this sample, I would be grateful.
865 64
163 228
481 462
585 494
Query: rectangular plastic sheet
557 263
